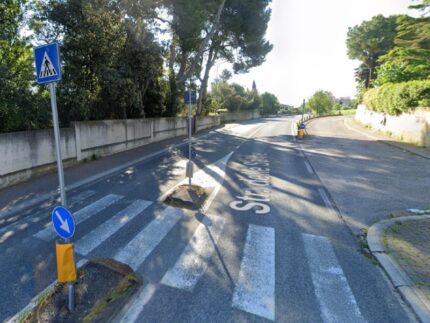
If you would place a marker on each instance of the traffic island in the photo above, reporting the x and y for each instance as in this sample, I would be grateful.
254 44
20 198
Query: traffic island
103 287
188 197
402 247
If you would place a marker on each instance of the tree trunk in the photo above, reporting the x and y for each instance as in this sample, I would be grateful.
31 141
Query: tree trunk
212 56
182 78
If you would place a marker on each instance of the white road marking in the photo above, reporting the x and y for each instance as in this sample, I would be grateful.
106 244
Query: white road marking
308 167
211 176
94 238
255 288
331 287
141 246
40 215
326 200
135 307
192 263
48 233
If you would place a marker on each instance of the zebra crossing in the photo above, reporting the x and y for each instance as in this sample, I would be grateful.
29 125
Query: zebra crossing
255 284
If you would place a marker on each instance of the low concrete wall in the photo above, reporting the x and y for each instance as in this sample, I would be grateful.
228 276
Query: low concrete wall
239 116
165 128
203 123
108 137
24 154
408 127
27 153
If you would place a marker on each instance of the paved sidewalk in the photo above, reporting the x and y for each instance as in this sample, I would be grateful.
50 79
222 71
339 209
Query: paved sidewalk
377 135
38 187
402 247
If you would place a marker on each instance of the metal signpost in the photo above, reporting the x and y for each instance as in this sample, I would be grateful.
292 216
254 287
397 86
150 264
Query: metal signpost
303 110
48 70
190 98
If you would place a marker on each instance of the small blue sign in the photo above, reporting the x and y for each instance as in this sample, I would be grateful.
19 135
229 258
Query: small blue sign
190 98
47 59
63 222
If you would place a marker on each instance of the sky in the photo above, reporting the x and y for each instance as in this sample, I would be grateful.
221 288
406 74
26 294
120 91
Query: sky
309 53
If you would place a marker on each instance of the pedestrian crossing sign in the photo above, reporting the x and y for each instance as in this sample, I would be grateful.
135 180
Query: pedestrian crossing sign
47 59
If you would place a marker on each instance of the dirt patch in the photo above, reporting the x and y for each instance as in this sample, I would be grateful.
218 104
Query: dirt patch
409 243
102 288
187 197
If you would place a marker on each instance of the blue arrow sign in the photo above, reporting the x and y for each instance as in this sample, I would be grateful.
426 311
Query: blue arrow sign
63 222
47 59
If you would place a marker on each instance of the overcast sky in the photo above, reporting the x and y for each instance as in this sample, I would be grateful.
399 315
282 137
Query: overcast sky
309 47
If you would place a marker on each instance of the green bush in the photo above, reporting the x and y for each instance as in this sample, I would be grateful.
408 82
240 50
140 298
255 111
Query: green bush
395 98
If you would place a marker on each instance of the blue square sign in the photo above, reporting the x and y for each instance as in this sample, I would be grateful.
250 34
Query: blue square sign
47 59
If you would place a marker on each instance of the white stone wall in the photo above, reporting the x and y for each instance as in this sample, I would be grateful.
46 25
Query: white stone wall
409 127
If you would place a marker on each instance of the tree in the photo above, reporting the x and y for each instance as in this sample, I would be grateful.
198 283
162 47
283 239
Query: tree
410 59
321 102
369 41
240 39
232 97
192 25
270 104
21 107
226 75
111 61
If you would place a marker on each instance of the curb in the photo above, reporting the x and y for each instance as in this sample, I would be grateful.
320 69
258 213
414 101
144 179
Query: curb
416 300
35 300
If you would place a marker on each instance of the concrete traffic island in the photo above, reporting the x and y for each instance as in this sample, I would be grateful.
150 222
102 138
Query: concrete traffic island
402 247
102 289
188 197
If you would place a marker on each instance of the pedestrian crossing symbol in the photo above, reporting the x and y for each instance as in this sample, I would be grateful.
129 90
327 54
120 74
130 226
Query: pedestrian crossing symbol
47 68
47 59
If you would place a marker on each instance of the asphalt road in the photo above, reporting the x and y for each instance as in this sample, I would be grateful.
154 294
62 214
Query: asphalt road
269 246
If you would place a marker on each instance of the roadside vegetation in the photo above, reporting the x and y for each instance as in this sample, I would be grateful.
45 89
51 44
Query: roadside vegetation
130 59
394 74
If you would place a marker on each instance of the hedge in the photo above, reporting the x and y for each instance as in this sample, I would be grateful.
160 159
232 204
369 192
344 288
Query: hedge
395 98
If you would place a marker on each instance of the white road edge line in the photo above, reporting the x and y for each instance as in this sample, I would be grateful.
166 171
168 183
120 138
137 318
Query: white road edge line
132 310
326 200
192 263
309 168
331 287
255 287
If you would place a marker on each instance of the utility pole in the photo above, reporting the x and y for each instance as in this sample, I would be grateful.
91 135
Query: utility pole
303 110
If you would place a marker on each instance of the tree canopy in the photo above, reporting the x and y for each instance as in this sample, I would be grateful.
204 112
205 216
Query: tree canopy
367 42
321 102
126 58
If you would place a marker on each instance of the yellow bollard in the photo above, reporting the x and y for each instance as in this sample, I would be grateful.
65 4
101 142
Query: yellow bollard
66 268
301 133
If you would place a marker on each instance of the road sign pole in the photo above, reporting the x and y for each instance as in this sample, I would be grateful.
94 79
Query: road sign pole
189 136
303 110
57 142
52 85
